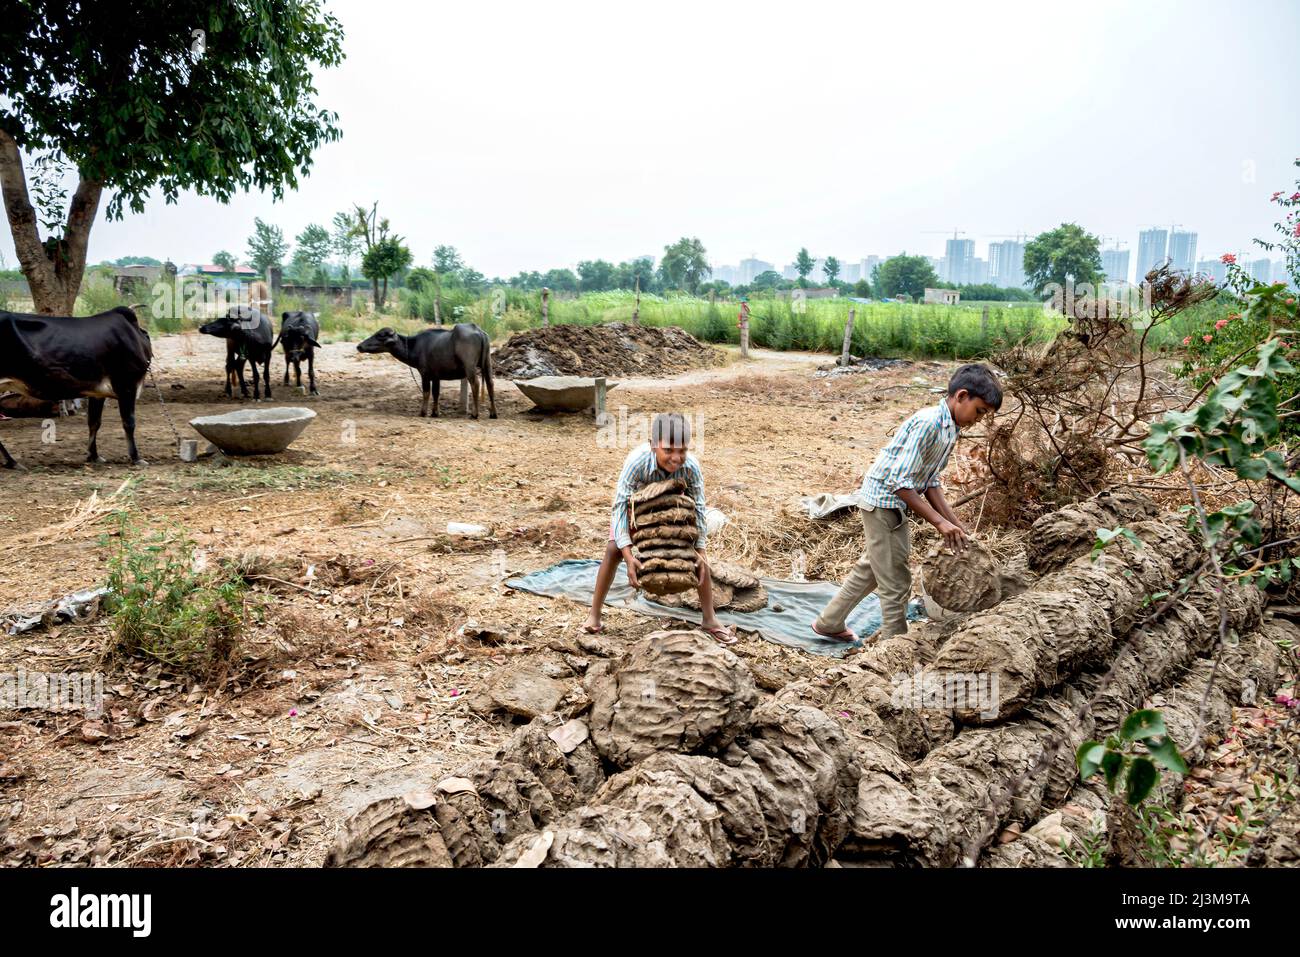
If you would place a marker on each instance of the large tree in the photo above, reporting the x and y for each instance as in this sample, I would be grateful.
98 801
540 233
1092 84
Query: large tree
637 273
446 260
685 265
225 260
1066 255
597 275
832 269
561 279
199 95
266 247
313 250
803 265
904 275
346 241
386 257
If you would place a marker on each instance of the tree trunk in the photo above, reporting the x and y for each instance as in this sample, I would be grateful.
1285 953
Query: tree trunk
53 273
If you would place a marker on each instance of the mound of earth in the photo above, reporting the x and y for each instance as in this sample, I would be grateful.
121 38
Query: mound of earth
612 349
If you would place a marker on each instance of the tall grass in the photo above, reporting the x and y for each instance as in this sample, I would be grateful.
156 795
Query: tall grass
879 329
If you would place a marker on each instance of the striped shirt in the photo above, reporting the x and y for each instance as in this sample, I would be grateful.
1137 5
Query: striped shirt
639 470
913 458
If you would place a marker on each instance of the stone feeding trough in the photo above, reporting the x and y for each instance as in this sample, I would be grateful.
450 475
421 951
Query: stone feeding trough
253 431
565 393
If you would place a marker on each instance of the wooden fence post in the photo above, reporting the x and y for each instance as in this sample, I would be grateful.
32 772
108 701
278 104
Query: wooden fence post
600 398
636 310
546 306
848 338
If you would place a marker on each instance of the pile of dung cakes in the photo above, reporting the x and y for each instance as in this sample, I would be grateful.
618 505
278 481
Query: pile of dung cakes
664 532
734 588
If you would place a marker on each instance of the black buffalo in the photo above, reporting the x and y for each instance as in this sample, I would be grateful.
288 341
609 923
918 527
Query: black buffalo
94 357
460 352
298 335
248 336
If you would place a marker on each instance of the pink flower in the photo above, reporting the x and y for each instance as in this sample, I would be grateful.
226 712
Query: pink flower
1208 338
455 692
1290 302
1286 701
1273 198
293 712
1187 341
1228 258
1295 196
1221 323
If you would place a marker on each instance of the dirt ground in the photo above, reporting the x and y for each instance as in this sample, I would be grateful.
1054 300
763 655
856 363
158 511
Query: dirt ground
356 680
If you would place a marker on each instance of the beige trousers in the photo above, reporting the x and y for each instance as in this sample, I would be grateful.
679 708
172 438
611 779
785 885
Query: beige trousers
883 568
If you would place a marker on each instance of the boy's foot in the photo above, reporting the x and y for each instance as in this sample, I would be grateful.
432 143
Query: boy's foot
848 635
591 629
723 635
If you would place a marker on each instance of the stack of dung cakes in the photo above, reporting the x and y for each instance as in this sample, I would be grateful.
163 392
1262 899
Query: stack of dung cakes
664 532
734 588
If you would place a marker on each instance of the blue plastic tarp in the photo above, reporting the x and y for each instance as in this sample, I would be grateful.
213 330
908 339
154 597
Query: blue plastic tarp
800 603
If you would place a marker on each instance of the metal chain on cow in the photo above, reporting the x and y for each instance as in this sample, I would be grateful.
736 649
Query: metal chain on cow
166 414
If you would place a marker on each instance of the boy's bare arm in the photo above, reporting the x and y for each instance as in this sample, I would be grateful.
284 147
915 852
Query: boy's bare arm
936 498
954 535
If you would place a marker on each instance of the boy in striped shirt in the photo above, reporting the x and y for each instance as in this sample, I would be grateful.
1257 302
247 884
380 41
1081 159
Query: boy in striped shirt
665 456
905 478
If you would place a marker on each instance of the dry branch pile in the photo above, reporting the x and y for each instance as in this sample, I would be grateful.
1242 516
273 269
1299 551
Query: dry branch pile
1083 401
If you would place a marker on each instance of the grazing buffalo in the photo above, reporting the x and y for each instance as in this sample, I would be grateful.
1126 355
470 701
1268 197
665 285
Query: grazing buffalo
460 352
248 335
298 334
94 357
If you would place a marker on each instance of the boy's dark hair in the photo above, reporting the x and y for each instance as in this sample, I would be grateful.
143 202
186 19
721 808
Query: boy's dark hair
979 381
670 429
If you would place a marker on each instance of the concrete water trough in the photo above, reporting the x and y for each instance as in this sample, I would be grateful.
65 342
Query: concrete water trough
253 431
561 393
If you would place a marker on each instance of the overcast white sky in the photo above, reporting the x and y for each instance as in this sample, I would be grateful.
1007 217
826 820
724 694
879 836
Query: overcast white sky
534 135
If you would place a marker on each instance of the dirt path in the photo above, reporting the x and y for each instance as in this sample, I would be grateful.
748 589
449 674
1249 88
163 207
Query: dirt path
355 678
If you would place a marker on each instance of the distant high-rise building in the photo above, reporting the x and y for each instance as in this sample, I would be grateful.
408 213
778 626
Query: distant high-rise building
1007 264
728 274
959 257
750 268
1151 251
1214 269
1114 264
979 271
1182 250
868 266
1279 272
851 272
1261 270
790 272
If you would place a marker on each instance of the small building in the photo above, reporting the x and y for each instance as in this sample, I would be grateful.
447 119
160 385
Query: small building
942 297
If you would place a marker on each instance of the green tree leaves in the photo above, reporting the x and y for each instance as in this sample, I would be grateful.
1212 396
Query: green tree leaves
904 275
1063 256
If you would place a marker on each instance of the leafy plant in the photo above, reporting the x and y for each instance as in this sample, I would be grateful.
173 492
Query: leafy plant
1123 765
168 605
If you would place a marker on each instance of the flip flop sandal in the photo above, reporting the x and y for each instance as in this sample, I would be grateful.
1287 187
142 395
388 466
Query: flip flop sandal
848 635
722 636
593 631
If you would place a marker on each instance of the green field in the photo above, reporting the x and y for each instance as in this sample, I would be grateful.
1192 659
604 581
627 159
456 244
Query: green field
964 331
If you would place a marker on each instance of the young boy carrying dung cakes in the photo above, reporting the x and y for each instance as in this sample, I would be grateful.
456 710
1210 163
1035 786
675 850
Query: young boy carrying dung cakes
657 524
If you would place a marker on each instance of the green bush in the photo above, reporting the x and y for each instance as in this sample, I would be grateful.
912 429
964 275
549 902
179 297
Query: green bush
166 607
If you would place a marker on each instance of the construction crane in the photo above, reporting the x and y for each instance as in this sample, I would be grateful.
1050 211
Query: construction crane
955 232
